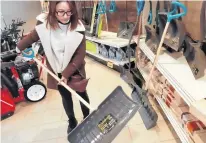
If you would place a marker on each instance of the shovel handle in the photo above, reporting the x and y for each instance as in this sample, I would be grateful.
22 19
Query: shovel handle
157 55
170 15
57 78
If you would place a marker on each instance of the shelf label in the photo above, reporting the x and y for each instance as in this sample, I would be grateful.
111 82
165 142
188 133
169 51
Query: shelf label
110 64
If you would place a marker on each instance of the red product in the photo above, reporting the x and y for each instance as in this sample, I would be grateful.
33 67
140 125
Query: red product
20 86
7 103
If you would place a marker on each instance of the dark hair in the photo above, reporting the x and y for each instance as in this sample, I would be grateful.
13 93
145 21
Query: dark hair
52 20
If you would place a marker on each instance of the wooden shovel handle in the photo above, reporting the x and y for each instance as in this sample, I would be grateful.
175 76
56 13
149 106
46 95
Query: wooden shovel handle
157 55
63 84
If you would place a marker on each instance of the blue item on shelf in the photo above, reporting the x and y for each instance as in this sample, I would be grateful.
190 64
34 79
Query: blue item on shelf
112 53
120 55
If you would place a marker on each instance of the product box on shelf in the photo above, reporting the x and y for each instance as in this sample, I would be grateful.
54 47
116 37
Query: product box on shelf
178 99
178 111
198 109
194 127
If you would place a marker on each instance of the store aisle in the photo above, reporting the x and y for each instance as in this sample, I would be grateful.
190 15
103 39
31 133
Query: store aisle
46 122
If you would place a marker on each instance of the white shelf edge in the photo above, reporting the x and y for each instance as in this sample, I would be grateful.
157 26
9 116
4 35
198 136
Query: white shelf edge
175 84
111 36
101 41
176 125
118 63
181 92
160 66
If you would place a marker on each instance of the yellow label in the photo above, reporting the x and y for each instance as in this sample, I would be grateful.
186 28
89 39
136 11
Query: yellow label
110 64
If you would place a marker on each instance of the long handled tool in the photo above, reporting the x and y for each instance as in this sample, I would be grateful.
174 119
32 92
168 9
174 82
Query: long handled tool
106 121
126 75
147 113
169 18
143 93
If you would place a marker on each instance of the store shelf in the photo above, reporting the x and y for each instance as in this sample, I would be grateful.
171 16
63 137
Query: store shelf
176 70
143 72
174 122
170 115
110 39
114 64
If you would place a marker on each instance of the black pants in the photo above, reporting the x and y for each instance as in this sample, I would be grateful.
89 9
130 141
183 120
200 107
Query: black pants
68 103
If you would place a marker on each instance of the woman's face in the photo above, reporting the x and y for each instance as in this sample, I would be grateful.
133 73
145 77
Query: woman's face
63 12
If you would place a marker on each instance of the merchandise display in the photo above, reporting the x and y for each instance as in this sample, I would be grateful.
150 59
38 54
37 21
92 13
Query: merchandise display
155 55
20 77
176 30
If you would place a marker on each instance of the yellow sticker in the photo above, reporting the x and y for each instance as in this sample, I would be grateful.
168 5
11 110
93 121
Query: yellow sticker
110 64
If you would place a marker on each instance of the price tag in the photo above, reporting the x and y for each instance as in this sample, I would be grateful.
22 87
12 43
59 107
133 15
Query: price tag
110 64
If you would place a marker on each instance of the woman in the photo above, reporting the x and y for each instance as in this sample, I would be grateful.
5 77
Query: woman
63 40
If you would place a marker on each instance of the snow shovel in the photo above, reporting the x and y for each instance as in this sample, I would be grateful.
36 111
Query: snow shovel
106 121
147 113
170 17
195 57
126 74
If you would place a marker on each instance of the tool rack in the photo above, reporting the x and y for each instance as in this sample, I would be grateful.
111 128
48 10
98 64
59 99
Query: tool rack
177 72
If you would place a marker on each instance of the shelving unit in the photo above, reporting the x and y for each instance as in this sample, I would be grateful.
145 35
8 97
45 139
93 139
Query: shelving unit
116 65
109 39
173 120
169 114
173 67
177 72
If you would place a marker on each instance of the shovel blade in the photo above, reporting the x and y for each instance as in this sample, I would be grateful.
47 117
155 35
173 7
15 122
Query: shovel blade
125 28
105 123
147 112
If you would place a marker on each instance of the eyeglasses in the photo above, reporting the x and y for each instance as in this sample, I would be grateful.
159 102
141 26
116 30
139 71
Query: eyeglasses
62 13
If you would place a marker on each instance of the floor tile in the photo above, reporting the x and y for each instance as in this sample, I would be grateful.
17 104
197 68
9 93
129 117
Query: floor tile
141 135
47 141
52 131
52 116
26 135
123 136
136 120
163 131
62 140
172 141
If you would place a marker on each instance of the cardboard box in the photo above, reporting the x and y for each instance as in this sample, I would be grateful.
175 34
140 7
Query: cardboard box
178 99
198 109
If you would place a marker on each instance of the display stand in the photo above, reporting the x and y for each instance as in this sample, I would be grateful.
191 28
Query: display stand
109 39
176 70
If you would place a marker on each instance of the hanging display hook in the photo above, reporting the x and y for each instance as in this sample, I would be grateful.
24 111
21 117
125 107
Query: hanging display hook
101 7
113 7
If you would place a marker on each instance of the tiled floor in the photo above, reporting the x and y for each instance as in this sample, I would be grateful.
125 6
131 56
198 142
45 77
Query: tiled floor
46 121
